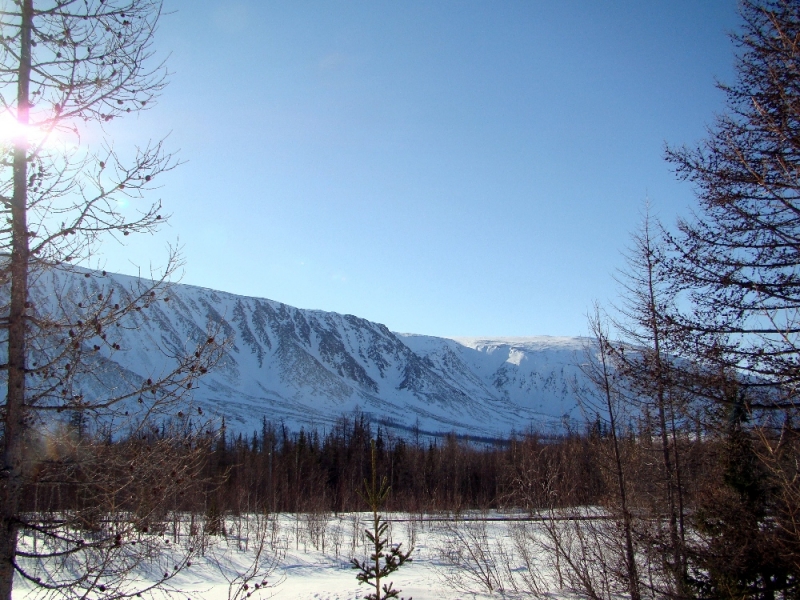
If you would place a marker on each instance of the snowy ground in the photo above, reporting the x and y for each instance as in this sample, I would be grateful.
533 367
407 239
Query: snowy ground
307 556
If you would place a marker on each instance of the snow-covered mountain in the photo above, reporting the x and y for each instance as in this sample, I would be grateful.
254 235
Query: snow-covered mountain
308 367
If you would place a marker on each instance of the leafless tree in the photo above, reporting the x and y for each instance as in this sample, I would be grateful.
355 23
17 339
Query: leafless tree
470 557
599 369
68 67
642 357
736 263
96 511
735 268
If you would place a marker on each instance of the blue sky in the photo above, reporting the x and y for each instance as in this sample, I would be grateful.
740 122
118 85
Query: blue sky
449 168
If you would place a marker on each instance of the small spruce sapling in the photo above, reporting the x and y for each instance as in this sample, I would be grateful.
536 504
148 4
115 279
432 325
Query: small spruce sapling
381 562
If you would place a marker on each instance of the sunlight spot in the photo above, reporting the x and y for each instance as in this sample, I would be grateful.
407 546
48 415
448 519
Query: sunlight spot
11 129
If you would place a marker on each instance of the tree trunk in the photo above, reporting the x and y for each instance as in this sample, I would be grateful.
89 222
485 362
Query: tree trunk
630 555
15 418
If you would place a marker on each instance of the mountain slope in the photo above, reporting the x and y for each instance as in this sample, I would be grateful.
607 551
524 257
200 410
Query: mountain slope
308 367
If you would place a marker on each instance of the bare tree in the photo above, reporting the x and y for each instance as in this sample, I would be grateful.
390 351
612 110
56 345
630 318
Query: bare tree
598 368
735 267
737 264
649 374
67 67
470 558
96 511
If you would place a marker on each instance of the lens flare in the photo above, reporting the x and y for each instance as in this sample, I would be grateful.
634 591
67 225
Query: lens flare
11 129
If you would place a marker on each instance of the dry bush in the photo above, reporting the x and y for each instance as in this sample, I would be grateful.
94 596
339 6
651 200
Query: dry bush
100 511
469 557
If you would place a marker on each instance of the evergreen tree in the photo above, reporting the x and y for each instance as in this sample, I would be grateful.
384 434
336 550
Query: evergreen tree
386 558
740 552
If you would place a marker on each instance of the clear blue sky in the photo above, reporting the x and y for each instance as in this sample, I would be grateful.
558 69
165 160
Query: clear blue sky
449 168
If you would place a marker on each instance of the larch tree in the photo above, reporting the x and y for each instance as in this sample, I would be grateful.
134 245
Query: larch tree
68 67
606 399
643 358
737 264
735 270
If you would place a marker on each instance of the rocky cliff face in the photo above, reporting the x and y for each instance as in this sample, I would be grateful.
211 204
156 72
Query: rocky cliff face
308 367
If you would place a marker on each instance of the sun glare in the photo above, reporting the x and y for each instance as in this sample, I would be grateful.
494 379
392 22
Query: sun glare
11 129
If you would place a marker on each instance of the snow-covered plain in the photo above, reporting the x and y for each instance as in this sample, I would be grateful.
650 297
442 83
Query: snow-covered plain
307 556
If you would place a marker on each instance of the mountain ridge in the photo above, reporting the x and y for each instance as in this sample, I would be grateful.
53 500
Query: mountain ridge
307 367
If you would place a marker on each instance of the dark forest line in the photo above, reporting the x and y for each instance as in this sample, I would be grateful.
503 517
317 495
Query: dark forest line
279 470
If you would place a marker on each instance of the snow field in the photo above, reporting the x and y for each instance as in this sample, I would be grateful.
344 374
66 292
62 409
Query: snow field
307 556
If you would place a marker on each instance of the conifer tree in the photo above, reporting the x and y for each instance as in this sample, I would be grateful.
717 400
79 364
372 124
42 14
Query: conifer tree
647 373
386 558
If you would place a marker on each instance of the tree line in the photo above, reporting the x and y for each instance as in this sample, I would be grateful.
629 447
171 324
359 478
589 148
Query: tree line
276 469
159 476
